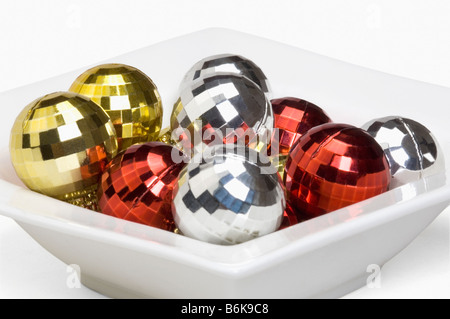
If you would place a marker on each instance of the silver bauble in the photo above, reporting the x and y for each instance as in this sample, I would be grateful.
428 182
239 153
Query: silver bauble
228 195
410 148
221 109
227 63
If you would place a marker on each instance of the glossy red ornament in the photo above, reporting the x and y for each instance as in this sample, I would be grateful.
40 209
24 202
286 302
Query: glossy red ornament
332 166
290 218
137 184
293 117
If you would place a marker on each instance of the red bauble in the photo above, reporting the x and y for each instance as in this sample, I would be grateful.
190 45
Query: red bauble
293 118
332 166
137 184
290 218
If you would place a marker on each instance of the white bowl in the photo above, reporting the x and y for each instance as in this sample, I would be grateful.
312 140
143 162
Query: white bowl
324 257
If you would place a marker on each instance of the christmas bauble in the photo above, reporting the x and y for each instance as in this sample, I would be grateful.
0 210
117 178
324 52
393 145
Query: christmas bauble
60 144
293 117
411 149
228 195
221 109
333 166
290 218
128 96
227 63
137 185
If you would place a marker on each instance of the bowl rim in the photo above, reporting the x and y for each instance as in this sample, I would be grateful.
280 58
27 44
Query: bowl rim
231 260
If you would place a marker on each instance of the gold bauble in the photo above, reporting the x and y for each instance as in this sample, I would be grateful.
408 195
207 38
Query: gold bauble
128 96
279 162
60 144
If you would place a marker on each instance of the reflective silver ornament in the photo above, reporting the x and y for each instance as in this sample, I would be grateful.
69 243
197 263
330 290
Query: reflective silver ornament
410 148
227 63
228 195
221 109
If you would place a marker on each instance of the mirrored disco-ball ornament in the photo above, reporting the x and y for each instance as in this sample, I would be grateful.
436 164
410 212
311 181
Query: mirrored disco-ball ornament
137 185
333 166
60 144
128 96
227 63
411 149
293 118
290 218
228 195
221 109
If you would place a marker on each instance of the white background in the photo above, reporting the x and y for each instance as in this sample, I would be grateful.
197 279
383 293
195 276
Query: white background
42 39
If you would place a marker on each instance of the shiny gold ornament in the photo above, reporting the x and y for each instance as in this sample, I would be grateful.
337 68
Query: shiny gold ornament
279 162
128 96
165 136
60 145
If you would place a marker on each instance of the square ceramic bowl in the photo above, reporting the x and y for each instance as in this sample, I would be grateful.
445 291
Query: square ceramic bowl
324 257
